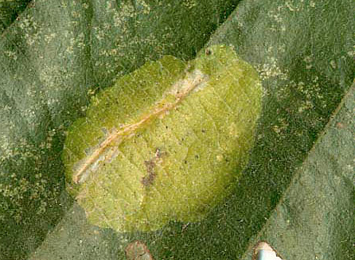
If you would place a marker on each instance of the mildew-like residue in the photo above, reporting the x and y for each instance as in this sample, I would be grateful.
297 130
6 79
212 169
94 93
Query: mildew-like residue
195 78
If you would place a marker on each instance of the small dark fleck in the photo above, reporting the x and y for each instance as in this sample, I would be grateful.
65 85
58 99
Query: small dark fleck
208 52
185 161
184 227
203 131
196 156
149 179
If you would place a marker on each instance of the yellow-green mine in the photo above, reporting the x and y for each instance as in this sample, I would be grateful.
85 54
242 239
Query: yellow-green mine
166 142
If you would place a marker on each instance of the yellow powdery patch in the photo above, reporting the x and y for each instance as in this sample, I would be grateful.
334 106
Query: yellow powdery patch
166 142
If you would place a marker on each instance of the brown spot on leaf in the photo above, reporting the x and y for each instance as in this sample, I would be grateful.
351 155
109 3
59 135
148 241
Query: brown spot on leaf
150 166
208 52
149 179
340 125
137 250
184 227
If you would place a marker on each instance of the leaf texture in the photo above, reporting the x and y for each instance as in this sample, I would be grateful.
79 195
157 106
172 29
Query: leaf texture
171 152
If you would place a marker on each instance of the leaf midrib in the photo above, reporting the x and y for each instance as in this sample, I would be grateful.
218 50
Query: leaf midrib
116 137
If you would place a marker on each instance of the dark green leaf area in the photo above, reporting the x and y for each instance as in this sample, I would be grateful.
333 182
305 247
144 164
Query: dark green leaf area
53 57
10 10
305 59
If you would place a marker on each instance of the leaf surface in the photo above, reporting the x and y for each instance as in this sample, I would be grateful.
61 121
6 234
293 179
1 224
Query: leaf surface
52 60
9 11
62 51
315 217
171 152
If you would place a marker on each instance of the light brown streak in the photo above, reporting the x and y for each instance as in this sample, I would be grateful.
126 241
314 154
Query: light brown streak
112 137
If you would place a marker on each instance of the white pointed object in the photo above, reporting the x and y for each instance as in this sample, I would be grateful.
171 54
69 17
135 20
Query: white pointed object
263 251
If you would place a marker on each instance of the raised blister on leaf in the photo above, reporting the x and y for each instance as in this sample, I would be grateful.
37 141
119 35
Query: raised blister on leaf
166 142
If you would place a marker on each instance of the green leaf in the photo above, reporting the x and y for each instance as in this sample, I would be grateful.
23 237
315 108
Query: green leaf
61 50
51 61
315 217
170 152
9 11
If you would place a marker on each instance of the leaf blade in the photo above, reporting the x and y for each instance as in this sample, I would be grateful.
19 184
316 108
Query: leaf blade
314 218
